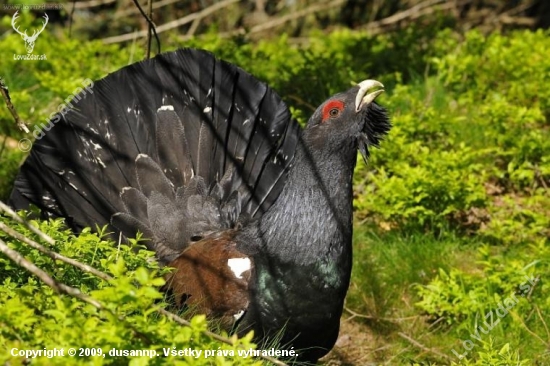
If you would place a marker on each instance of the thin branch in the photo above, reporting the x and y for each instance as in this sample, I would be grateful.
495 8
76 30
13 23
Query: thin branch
370 317
543 322
424 8
150 27
93 3
404 14
6 95
156 5
193 28
58 287
280 21
422 347
537 279
45 237
518 318
53 255
71 16
296 15
173 24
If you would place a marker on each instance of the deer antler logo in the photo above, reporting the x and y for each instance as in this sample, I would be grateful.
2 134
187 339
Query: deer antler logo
29 40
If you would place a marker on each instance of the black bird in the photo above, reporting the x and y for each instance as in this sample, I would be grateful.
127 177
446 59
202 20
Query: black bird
254 213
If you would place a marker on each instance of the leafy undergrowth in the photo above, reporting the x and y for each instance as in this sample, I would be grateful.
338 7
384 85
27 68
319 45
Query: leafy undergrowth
33 317
452 224
455 268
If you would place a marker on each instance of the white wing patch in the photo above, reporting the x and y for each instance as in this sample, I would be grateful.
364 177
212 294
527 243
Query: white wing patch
239 266
238 315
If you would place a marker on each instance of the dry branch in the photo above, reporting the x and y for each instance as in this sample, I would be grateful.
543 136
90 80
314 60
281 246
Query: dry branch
150 27
6 95
45 237
424 8
92 3
53 255
422 347
156 5
296 15
58 287
173 24
280 21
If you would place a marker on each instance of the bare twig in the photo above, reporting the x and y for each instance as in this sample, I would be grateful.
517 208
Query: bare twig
422 9
284 19
71 15
193 28
173 24
422 347
93 3
543 322
43 236
370 317
156 5
53 255
518 318
296 15
397 17
150 27
537 279
58 287
6 95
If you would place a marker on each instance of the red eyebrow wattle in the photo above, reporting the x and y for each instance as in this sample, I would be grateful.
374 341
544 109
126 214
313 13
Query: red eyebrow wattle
330 105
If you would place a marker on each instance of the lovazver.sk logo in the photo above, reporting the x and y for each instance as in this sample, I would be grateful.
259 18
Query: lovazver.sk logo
29 40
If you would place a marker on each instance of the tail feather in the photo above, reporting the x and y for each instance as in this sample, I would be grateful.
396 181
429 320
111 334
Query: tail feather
172 147
151 178
181 129
135 201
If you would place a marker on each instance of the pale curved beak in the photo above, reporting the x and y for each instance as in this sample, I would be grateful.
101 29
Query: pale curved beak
364 97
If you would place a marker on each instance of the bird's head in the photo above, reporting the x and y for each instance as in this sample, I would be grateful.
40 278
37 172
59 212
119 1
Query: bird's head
350 118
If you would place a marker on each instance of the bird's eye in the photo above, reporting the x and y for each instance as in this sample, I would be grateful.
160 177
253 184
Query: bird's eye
332 109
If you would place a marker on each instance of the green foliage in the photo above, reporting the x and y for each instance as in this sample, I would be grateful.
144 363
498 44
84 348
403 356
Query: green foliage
490 355
33 317
37 88
463 174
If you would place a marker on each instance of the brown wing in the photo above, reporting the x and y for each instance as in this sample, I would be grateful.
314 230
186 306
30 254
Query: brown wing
211 277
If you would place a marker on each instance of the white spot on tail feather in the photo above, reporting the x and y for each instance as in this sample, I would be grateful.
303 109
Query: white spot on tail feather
141 156
207 110
166 108
239 266
100 162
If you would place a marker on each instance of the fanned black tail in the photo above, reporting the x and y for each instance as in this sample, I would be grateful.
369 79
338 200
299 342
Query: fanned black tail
177 147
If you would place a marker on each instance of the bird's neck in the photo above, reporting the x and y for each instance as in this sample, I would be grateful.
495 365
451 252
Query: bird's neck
312 218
